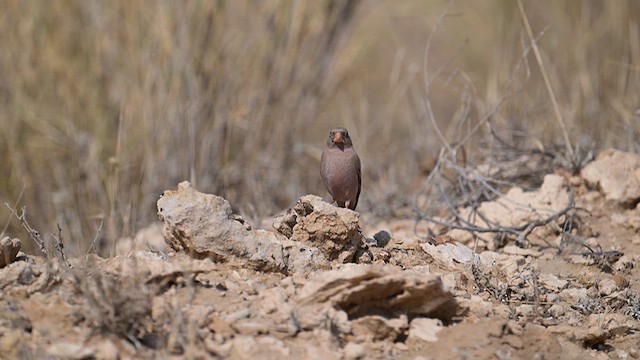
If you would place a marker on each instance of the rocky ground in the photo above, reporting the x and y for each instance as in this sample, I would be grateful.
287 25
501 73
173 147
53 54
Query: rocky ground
328 283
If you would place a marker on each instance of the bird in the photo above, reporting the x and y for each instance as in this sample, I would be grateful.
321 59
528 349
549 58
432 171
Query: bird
340 169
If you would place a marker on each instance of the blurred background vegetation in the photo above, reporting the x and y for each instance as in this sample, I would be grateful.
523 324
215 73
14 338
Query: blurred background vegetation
104 104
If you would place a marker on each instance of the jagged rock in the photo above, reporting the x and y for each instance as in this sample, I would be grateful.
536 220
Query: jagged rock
263 347
301 258
204 226
284 223
617 174
12 316
26 277
551 282
361 290
68 350
450 255
425 329
8 250
614 324
319 224
353 351
378 328
154 268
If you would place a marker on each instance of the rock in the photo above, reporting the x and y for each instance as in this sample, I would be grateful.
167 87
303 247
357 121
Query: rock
557 310
284 223
623 264
361 290
319 224
551 282
66 350
425 329
621 281
526 311
382 238
449 255
8 250
614 324
607 286
617 175
574 295
301 258
378 328
618 219
25 277
477 307
12 316
107 350
220 326
219 350
153 267
203 226
258 347
353 351
250 327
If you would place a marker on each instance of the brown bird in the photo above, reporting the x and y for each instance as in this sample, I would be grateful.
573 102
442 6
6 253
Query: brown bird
340 169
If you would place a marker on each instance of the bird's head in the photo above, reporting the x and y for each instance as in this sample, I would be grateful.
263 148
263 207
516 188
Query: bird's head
339 137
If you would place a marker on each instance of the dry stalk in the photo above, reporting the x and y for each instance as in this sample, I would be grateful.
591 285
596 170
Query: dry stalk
119 304
547 82
59 245
95 238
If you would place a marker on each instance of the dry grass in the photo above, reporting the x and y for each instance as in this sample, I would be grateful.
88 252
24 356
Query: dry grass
104 104
117 304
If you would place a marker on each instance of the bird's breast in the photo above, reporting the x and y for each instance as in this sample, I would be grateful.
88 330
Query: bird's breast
339 172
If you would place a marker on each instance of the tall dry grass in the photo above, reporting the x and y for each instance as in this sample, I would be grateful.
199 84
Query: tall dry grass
105 104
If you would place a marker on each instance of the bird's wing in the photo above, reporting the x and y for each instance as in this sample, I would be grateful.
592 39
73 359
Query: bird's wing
359 182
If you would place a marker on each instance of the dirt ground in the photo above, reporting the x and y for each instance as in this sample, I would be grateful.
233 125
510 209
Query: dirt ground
334 284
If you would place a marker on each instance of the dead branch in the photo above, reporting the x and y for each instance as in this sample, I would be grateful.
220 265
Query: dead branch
522 231
469 189
33 233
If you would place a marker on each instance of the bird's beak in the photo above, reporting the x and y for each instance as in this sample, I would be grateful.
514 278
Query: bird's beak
338 138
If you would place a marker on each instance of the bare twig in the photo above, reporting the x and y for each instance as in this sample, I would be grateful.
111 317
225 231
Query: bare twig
95 239
6 225
522 231
59 245
33 233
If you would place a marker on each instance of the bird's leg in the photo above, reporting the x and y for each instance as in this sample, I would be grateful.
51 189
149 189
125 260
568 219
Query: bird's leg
341 203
